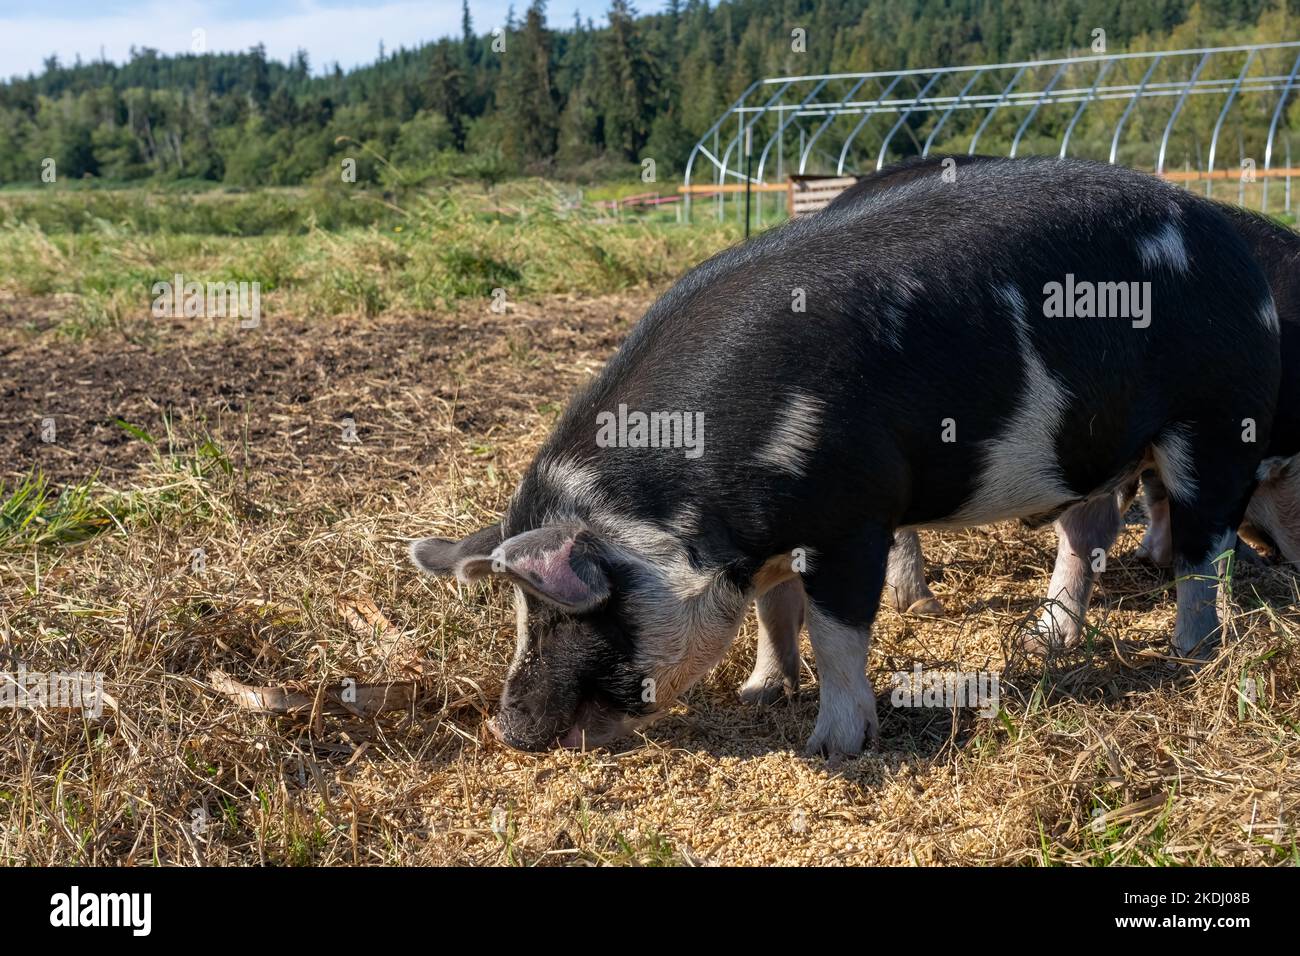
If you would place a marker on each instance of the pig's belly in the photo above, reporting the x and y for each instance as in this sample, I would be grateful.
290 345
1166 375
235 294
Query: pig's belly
1034 508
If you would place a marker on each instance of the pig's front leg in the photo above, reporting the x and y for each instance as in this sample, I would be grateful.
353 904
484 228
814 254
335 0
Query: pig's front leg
1084 533
776 671
906 577
1209 479
843 596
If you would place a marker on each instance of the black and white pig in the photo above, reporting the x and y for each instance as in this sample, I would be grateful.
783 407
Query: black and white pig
888 365
1272 518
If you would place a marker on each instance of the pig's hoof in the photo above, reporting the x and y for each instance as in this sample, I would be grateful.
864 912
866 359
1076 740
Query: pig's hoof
1042 643
1197 649
926 607
1035 646
765 692
838 742
832 754
1056 630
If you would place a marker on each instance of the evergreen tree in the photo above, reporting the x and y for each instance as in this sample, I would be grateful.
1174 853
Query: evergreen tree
446 96
629 82
527 93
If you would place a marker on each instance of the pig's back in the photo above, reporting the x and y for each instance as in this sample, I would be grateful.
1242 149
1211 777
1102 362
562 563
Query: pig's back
924 305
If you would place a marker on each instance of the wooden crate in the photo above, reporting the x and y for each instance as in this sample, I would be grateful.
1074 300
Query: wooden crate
812 193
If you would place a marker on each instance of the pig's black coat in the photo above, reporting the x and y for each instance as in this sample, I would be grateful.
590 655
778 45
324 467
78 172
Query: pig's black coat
1275 247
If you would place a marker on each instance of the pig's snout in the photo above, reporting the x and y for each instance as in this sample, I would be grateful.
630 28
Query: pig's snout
513 741
524 723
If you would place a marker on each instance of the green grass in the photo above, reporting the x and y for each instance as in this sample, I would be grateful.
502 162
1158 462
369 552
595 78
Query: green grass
189 475
1110 845
31 513
319 252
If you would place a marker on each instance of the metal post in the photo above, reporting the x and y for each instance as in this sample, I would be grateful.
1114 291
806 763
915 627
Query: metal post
1092 93
831 117
1223 114
718 197
884 147
749 180
925 150
1272 127
1119 127
979 131
1015 143
867 114
1287 140
1173 117
782 124
1241 180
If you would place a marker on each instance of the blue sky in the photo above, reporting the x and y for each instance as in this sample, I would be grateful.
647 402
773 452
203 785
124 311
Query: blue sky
348 31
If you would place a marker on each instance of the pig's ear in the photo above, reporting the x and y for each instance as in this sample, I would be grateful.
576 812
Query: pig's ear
561 564
468 559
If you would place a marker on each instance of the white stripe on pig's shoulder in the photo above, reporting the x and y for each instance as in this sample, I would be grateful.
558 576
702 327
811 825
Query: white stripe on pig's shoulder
1020 473
795 434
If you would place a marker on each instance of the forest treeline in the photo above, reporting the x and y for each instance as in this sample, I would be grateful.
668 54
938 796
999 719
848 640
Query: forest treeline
531 95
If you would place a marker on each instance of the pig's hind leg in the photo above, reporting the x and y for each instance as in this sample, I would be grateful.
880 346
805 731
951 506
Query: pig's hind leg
843 596
776 670
905 579
1084 532
1157 546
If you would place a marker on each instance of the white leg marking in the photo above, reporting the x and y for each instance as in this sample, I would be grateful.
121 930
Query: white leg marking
1198 585
847 710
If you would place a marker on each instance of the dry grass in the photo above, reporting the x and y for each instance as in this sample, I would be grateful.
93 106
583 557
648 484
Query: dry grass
1115 755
